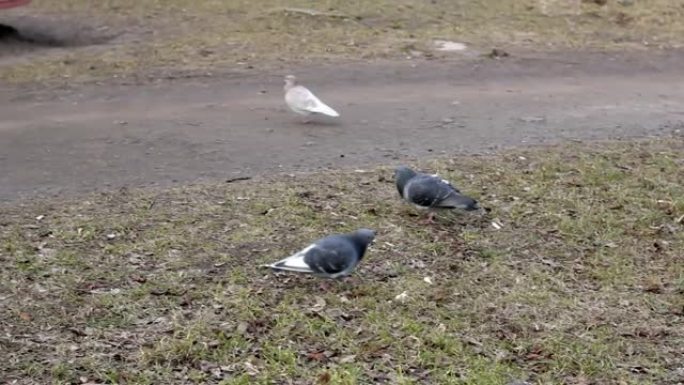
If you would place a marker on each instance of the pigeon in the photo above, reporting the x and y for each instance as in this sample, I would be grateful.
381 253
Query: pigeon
431 192
332 257
303 101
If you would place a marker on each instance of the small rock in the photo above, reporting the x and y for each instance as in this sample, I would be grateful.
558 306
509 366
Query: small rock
449 46
401 297
497 54
533 119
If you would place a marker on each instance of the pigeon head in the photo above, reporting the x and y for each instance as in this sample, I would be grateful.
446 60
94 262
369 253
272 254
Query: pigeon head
362 238
290 81
402 175
364 235
469 204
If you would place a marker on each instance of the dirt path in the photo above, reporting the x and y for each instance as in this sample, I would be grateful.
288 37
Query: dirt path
94 137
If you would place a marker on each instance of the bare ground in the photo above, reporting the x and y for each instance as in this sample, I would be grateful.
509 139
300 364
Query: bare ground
107 135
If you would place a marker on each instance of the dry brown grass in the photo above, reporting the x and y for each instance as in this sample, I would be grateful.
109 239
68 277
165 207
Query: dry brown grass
583 284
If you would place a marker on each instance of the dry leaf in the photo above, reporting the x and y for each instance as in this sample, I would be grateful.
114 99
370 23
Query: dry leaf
580 380
251 369
317 356
347 359
25 316
320 305
324 378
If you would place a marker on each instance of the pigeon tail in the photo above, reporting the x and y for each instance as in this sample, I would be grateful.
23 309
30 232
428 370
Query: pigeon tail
324 109
459 201
295 262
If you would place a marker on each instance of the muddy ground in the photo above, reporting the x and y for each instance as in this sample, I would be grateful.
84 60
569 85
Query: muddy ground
107 135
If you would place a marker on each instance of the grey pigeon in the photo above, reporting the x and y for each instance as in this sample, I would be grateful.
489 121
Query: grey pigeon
303 101
333 256
431 192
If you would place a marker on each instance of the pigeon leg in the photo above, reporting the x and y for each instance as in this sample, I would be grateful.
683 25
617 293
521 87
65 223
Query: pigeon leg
306 119
430 220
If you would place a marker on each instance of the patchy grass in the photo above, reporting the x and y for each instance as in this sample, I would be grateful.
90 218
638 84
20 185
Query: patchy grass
583 284
212 35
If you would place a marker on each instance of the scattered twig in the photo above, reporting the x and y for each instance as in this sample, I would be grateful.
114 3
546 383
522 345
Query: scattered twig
238 178
310 12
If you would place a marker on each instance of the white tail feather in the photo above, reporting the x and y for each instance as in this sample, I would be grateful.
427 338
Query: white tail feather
294 262
324 109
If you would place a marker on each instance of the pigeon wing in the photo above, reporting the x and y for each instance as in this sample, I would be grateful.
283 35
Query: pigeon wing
334 256
447 182
300 98
327 262
426 191
460 201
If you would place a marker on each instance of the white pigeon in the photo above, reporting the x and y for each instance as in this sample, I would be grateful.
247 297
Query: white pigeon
303 101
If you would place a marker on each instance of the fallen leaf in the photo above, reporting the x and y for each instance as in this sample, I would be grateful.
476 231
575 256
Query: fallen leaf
324 378
251 369
138 278
347 359
579 380
317 356
320 305
25 316
654 285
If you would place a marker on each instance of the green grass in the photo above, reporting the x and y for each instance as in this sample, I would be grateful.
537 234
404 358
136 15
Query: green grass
175 36
583 284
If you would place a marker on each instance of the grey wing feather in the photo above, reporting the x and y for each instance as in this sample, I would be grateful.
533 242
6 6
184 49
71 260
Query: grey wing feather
327 262
332 256
427 191
447 183
434 192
